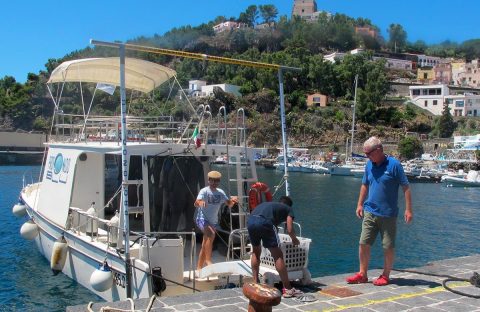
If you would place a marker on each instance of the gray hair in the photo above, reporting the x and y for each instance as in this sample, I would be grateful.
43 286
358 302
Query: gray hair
372 143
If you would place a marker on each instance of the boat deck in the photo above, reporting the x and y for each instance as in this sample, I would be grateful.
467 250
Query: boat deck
408 291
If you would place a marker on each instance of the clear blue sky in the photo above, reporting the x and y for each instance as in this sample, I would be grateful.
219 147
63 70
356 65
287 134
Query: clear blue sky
33 31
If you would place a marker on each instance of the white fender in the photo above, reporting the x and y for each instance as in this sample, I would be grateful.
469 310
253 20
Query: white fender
59 255
29 230
101 279
19 210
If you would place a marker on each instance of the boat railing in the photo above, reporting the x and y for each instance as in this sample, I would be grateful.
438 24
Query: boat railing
237 241
156 236
75 128
283 228
98 229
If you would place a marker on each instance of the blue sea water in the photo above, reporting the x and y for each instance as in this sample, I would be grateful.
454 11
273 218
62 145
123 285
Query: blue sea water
445 225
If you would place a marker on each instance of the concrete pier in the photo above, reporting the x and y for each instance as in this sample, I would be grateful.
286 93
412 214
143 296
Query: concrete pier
408 291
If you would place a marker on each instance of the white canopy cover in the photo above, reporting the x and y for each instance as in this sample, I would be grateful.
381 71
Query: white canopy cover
140 75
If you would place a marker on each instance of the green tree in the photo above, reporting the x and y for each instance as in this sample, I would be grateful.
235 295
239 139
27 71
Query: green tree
446 125
398 38
269 13
410 147
250 16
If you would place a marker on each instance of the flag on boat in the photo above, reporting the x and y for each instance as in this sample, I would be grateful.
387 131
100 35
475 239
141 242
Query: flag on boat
110 89
197 137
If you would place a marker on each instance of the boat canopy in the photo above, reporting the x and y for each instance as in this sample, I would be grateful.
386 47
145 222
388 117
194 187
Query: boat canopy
140 75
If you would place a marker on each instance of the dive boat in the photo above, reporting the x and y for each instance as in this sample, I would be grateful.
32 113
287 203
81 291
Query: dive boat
114 208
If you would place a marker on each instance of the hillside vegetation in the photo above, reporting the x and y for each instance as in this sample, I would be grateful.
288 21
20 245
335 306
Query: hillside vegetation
290 42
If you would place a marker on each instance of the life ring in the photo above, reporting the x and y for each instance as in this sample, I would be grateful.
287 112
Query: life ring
255 194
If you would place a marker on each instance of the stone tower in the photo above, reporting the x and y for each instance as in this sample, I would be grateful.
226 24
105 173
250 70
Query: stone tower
304 8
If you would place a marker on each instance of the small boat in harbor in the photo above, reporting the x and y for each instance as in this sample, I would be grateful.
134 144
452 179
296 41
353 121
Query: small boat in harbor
471 180
115 213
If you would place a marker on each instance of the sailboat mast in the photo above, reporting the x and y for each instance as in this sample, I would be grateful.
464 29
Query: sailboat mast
284 132
126 219
353 117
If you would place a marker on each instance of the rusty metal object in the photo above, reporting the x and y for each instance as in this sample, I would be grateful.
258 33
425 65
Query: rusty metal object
262 297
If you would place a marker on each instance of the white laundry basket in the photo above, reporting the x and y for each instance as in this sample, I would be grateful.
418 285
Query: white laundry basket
296 257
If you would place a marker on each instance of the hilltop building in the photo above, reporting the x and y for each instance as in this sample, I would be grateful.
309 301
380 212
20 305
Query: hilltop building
433 97
307 10
317 100
199 88
228 25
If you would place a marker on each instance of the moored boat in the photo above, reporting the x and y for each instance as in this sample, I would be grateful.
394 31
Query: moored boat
471 180
115 213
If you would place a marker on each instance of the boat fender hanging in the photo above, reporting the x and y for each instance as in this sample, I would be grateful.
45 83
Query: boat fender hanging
101 279
19 210
255 194
29 230
59 255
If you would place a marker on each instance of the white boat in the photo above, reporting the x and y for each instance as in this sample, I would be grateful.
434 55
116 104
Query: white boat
117 215
471 180
347 169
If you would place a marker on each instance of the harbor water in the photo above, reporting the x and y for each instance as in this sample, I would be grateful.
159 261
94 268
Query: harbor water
445 225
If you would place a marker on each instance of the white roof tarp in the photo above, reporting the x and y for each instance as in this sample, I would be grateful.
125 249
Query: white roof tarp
140 75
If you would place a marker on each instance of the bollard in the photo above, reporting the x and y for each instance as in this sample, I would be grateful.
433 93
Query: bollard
262 297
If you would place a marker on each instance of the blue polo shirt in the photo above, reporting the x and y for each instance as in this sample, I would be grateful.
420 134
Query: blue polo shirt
383 181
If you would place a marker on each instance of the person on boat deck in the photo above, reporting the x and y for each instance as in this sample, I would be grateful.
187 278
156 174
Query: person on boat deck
378 205
208 202
262 228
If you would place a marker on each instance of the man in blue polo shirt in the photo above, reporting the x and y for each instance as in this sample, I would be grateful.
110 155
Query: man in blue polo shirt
378 205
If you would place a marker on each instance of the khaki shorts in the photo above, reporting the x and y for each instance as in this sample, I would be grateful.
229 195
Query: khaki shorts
372 225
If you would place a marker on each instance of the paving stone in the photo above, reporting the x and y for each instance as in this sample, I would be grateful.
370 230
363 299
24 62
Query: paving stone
424 309
226 308
419 301
453 306
221 302
188 307
442 296
316 306
379 295
349 301
388 307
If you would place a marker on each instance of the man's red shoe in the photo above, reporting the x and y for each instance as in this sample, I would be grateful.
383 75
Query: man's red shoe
357 279
381 281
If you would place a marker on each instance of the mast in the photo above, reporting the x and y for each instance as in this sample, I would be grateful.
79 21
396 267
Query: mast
284 132
353 117
126 219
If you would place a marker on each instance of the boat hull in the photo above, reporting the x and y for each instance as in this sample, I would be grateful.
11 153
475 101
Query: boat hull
83 258
459 182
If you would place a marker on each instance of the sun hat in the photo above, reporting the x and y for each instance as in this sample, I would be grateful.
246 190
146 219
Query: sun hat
214 175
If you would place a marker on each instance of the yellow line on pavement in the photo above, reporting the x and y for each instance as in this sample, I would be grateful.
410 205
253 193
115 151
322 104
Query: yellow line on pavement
397 297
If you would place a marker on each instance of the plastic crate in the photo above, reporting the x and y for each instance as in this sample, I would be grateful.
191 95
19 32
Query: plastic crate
296 257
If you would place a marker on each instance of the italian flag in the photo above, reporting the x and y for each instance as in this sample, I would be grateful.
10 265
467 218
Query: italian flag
196 137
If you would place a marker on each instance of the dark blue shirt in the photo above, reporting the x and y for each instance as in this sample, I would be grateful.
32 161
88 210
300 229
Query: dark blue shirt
273 211
383 181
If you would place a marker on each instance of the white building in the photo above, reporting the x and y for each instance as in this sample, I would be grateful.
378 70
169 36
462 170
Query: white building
233 89
432 98
426 60
228 25
199 88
